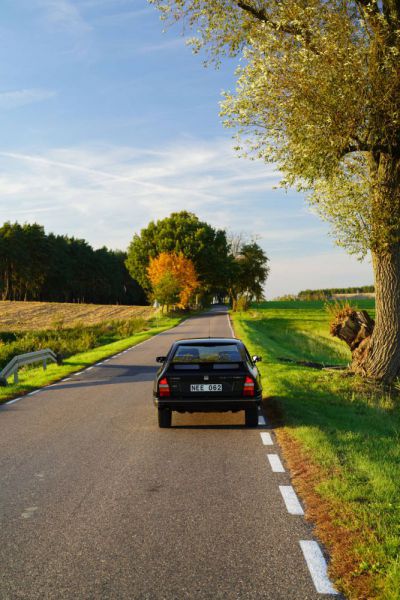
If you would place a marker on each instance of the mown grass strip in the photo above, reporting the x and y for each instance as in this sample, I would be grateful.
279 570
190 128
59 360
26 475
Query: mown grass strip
34 378
340 438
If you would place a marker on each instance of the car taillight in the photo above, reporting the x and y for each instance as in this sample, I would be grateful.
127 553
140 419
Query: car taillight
249 387
163 388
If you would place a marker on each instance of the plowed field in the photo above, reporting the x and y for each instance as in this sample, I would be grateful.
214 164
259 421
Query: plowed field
24 316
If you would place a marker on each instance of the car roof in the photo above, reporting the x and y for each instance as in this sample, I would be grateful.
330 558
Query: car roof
208 340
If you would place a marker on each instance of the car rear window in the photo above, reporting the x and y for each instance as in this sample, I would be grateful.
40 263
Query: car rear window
222 353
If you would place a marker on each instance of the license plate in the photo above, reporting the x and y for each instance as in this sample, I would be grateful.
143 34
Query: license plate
206 387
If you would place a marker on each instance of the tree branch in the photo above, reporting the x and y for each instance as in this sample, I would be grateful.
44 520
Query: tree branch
360 146
289 28
371 14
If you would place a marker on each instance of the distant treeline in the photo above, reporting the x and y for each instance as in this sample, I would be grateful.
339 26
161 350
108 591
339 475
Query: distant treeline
54 268
329 292
326 294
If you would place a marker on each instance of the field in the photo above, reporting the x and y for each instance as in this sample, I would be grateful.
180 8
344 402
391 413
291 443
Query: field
27 316
340 437
80 334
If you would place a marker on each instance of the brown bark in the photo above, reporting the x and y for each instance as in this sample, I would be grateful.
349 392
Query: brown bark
380 357
376 354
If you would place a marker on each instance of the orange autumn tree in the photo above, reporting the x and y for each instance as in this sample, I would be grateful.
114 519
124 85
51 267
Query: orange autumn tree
173 278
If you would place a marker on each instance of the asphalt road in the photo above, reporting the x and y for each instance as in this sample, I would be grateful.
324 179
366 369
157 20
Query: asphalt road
97 502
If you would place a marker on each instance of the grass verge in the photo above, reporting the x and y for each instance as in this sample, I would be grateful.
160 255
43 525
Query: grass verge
34 378
340 437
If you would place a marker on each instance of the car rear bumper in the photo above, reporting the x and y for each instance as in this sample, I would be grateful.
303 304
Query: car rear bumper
207 404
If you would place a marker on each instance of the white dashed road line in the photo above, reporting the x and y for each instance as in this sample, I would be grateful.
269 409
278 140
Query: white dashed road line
291 500
317 566
89 368
13 401
275 463
230 325
261 420
266 438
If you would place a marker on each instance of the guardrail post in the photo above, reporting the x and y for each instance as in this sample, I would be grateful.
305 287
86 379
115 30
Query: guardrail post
29 358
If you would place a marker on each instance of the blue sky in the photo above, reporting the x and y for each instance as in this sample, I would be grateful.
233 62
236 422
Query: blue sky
107 122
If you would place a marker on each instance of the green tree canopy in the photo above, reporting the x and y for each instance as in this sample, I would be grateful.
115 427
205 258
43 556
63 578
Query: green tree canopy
248 273
37 266
167 290
184 233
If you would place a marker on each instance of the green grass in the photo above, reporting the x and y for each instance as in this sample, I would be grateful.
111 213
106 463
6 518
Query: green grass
347 427
33 378
66 341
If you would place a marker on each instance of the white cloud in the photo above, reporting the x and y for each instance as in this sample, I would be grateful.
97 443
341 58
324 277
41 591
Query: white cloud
17 98
118 18
162 46
64 14
106 194
122 188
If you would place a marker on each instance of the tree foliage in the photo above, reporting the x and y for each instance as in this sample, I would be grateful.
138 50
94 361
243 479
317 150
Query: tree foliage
248 274
37 266
181 233
173 278
166 290
318 85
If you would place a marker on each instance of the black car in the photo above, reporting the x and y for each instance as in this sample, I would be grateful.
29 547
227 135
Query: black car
204 375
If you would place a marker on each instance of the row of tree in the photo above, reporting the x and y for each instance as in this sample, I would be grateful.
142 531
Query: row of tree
37 266
181 259
327 293
178 260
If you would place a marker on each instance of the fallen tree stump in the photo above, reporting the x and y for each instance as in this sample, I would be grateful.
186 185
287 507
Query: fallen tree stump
353 327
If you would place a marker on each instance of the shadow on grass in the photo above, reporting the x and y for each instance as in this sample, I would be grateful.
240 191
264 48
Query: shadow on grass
282 337
354 430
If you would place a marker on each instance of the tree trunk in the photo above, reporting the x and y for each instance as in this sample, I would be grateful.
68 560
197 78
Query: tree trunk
378 357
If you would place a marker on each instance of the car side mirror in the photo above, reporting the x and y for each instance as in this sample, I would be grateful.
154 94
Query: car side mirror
161 359
257 359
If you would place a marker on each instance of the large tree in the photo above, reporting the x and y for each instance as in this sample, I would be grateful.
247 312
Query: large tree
318 93
247 275
184 233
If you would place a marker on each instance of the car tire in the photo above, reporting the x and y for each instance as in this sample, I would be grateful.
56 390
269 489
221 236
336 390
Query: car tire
251 417
164 417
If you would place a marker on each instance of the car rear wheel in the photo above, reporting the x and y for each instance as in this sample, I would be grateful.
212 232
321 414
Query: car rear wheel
164 417
251 417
